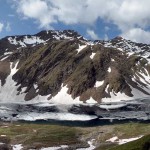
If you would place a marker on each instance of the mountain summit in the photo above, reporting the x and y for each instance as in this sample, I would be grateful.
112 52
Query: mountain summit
64 67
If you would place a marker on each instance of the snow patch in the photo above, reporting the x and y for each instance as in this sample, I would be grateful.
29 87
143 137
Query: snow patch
92 55
8 53
81 47
13 40
122 141
1 143
120 49
112 60
92 147
33 40
17 147
91 101
3 135
99 83
109 69
55 148
4 58
64 98
113 139
26 40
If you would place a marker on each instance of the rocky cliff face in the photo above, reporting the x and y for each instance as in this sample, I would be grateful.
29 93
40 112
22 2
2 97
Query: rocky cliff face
64 67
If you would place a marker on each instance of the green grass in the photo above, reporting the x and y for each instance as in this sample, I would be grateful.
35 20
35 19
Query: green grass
128 130
43 135
140 144
106 146
39 135
122 131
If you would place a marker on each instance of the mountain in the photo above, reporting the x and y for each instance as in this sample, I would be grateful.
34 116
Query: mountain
64 67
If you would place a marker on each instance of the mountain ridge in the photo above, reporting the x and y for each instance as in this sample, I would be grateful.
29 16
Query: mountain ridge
64 67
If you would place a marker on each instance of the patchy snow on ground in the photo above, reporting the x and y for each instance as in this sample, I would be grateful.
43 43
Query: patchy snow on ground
109 69
112 60
92 55
12 40
122 141
17 147
8 53
33 40
99 83
92 147
3 135
4 58
120 49
81 47
113 139
55 148
1 143
91 101
4 126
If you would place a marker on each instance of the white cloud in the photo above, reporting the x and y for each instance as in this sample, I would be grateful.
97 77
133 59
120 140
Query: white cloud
1 27
8 27
125 14
92 34
137 35
38 10
106 38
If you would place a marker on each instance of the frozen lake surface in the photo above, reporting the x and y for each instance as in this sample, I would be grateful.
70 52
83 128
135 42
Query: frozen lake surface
125 110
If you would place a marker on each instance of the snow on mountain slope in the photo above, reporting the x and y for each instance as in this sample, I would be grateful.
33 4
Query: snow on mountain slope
33 68
129 46
26 41
21 41
9 91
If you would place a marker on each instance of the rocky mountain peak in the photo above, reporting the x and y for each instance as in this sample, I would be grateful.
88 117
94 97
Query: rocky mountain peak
64 67
59 35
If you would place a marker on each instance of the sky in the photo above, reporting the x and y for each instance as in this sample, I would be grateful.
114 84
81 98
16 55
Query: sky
94 19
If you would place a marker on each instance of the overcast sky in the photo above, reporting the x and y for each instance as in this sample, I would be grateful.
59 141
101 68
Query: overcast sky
94 19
